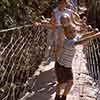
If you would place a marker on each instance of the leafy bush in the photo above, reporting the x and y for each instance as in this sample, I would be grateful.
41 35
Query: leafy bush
19 12
94 12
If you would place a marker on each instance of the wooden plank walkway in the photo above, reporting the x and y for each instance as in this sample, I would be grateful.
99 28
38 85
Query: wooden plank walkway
44 86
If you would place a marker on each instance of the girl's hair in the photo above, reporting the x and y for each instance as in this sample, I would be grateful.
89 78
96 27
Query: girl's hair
65 18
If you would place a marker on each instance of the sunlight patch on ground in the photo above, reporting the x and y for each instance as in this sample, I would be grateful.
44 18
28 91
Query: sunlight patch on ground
44 68
27 95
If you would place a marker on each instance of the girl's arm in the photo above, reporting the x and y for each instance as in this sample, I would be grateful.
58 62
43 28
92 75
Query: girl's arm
85 39
87 34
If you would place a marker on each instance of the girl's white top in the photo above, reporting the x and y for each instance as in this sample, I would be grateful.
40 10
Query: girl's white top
68 51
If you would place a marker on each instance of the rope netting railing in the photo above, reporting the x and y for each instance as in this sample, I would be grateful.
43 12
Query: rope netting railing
93 58
93 62
21 51
89 79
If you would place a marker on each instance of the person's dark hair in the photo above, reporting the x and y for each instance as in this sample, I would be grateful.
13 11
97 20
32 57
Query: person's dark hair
60 1
47 13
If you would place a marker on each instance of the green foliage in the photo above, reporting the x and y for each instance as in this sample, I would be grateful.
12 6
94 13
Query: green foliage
94 12
20 12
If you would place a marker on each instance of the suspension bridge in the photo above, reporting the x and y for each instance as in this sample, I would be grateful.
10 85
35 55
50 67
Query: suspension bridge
23 77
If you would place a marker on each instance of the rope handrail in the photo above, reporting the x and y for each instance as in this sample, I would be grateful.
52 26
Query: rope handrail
15 28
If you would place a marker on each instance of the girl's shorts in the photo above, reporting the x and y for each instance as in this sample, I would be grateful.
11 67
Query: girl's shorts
63 74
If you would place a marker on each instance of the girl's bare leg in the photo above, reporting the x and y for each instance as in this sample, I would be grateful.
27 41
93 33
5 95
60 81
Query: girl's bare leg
68 87
58 89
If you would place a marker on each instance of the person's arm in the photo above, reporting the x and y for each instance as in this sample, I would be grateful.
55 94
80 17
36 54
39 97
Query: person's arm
42 23
52 22
46 23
